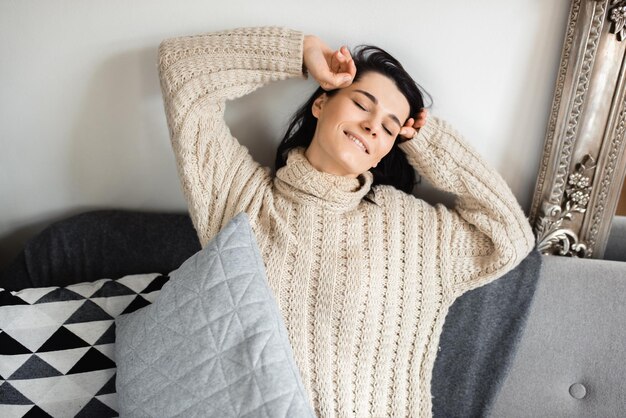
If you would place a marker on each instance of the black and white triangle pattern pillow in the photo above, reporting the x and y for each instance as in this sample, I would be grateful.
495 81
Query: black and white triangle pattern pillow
57 345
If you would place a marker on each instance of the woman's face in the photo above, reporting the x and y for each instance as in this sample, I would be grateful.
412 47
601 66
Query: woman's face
357 126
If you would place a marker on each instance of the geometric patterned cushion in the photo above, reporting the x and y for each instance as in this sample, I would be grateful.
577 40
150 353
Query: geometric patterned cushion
57 345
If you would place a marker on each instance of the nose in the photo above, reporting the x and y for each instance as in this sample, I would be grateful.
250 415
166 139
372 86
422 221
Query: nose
369 127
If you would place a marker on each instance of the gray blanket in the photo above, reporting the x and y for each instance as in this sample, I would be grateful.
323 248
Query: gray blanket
479 340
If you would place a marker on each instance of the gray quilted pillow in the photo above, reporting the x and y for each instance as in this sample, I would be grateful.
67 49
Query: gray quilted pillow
213 344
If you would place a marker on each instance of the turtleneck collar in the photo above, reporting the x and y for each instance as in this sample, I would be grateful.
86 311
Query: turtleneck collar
301 182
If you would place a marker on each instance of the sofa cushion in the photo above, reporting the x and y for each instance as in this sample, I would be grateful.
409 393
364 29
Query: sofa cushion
57 345
102 243
213 343
570 361
616 243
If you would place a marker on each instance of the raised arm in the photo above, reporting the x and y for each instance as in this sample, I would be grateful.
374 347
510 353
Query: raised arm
198 74
486 234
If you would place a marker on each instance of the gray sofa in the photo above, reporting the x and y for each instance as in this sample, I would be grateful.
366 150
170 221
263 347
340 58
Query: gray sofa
571 359
544 340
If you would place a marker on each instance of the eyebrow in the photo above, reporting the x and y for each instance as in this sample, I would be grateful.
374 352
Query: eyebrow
375 100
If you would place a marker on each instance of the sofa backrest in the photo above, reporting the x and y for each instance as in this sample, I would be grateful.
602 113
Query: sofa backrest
571 360
616 244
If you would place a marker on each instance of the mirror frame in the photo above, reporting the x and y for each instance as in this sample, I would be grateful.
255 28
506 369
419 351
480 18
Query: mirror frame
584 160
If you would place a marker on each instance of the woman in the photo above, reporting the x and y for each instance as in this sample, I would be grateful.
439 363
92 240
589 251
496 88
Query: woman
364 273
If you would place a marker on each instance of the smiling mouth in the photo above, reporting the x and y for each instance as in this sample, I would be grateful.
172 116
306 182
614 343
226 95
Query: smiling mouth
357 141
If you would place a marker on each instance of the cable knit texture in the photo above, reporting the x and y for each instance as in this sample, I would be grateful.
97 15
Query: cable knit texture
363 287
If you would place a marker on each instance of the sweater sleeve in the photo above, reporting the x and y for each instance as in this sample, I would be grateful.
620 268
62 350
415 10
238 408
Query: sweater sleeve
486 234
198 75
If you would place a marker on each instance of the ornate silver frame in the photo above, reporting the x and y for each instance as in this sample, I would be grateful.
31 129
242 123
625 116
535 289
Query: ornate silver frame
584 160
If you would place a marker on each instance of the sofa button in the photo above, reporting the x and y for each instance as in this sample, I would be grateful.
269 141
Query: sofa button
578 390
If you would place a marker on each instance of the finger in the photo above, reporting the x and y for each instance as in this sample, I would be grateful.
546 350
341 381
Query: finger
351 64
345 55
340 56
345 61
342 62
409 122
345 82
331 81
407 132
351 68
328 77
342 80
346 52
335 62
346 75
345 64
421 119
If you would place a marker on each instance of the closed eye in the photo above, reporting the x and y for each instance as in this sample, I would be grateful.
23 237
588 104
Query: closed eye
359 105
387 130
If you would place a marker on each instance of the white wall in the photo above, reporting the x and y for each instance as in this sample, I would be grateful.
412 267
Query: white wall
81 117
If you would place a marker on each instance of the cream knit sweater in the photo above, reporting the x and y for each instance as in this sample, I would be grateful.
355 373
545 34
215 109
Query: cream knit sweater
363 288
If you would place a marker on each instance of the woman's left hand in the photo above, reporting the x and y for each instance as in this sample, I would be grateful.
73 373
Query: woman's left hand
412 125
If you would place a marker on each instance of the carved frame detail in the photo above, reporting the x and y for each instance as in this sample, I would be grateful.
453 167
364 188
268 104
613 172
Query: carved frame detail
617 15
584 158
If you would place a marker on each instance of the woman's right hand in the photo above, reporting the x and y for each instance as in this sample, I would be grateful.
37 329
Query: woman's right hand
331 69
413 125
